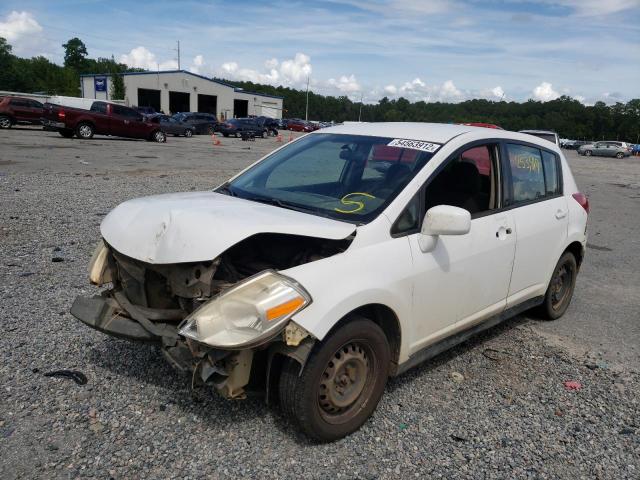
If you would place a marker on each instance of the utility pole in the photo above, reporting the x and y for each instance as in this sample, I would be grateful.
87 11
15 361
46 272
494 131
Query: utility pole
178 54
360 112
306 110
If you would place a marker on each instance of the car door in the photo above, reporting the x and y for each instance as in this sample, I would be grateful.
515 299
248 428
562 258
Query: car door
540 213
465 278
21 109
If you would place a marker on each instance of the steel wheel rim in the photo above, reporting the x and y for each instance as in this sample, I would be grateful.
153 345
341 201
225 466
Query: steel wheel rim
561 285
347 382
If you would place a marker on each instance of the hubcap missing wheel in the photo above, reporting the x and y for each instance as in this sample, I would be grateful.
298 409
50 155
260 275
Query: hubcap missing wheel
344 379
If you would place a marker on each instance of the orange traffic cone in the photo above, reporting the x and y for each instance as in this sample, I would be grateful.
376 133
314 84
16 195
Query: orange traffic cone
279 138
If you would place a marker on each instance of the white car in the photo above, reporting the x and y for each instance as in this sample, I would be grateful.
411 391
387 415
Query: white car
344 257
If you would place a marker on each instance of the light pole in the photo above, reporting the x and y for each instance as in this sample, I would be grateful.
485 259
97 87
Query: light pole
306 110
360 112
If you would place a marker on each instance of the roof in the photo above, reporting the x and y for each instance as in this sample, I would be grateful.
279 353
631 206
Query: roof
431 132
161 72
428 132
549 132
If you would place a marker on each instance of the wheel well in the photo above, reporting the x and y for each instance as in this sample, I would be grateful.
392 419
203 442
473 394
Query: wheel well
578 251
88 122
386 319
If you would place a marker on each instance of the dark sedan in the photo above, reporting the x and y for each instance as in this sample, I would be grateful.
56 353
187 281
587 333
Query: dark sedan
238 126
171 126
202 123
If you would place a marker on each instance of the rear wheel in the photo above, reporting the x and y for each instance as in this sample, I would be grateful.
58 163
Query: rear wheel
5 122
188 133
587 153
66 133
85 131
341 383
561 287
619 155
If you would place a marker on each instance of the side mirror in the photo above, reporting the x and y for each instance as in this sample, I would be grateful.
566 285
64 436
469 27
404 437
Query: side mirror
443 220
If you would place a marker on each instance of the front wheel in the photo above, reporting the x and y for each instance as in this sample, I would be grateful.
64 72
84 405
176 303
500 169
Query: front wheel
561 287
619 155
159 136
341 383
587 153
188 133
5 122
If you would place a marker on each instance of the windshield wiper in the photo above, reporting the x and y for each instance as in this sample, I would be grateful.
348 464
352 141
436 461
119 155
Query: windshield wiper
281 203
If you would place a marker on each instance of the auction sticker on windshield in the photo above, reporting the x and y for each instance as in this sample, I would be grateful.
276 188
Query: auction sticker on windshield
414 145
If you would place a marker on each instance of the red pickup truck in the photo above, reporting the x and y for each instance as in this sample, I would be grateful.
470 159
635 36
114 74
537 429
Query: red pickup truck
103 119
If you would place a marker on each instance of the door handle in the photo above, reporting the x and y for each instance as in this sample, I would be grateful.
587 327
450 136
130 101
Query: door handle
561 214
503 232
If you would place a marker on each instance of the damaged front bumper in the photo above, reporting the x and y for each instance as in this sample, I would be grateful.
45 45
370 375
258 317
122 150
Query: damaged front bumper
228 371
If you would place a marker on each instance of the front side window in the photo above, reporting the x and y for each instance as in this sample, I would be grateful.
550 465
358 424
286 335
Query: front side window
346 177
527 174
468 181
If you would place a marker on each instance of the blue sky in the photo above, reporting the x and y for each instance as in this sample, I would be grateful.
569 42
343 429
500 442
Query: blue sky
422 50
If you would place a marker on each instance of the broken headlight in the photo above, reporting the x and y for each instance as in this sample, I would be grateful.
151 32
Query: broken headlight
99 272
247 314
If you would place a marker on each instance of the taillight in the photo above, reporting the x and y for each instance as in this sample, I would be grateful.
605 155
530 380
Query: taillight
582 199
61 114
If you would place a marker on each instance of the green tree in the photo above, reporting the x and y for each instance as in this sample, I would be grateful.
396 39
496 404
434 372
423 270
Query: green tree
75 54
117 87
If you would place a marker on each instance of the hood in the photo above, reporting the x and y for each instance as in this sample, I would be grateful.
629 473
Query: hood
199 226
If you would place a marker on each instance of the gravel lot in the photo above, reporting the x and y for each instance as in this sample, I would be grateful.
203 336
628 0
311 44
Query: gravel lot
508 416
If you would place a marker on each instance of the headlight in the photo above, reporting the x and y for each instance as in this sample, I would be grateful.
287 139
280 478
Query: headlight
248 314
99 273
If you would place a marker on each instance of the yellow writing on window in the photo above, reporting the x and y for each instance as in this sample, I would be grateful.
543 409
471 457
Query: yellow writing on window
528 162
354 205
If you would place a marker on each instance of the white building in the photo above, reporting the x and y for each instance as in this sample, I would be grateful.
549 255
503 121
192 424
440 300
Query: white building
181 91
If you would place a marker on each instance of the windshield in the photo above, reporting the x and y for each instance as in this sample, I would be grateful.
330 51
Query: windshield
346 177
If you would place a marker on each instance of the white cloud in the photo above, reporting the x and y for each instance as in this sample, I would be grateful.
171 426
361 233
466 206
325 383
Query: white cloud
597 7
345 84
498 92
197 64
545 92
290 72
141 57
391 89
18 25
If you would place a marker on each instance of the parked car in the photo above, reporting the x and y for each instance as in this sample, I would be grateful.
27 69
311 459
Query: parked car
635 150
574 144
172 126
148 111
546 134
297 125
202 123
236 126
102 119
317 276
269 124
15 110
605 149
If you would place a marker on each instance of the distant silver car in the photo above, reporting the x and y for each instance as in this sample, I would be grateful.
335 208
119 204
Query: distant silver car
605 149
546 134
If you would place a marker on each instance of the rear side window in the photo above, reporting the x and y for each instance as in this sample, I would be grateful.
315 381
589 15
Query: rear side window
99 107
534 173
18 102
551 173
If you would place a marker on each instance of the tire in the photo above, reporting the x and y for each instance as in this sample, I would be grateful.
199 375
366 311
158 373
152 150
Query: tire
341 383
159 136
85 131
563 281
225 135
619 155
587 153
188 133
262 134
66 133
5 122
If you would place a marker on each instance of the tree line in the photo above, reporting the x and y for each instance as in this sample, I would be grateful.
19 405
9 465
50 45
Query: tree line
565 115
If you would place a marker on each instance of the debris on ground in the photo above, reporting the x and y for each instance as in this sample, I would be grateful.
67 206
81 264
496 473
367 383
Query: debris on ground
78 377
572 385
